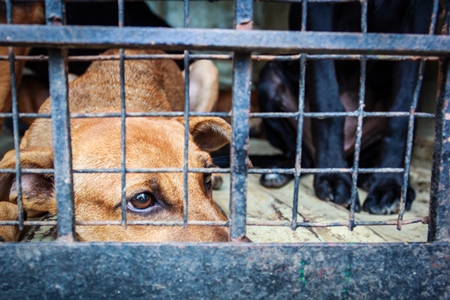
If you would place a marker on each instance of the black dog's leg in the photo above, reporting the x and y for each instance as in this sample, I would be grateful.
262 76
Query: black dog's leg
277 93
328 134
385 189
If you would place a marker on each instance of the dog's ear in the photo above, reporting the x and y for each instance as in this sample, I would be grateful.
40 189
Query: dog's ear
37 189
209 133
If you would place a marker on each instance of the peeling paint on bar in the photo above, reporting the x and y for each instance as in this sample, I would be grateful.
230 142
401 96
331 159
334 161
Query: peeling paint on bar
225 271
224 39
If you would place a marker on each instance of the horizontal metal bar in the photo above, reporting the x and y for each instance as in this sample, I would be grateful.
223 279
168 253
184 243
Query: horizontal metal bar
214 170
423 220
325 170
85 58
29 223
257 57
294 57
224 114
119 170
280 1
298 1
197 271
153 170
29 171
26 115
221 114
213 39
127 170
340 114
119 223
148 114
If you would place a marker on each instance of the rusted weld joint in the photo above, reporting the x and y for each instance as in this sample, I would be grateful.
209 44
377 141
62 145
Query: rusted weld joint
55 20
64 239
247 25
241 239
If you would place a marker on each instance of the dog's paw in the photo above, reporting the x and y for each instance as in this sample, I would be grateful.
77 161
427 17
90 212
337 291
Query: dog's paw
8 211
384 195
9 234
275 180
335 188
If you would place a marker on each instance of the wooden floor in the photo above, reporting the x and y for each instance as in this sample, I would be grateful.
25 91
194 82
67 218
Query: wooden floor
276 205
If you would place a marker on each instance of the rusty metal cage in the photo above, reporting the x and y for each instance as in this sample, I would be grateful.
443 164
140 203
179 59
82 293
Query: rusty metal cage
70 269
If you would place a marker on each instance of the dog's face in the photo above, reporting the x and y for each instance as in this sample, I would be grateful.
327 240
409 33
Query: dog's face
154 196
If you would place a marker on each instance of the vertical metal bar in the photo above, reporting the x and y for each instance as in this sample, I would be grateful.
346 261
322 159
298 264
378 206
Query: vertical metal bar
187 19
304 15
123 137
362 94
243 10
300 120
15 117
298 151
411 121
439 225
242 66
123 127
434 17
120 12
123 134
409 144
239 144
364 16
186 121
57 61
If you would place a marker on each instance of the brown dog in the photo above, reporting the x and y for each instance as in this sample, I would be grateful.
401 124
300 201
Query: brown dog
151 142
22 13
86 13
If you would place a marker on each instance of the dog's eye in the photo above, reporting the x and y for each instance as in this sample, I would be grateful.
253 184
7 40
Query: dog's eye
141 201
207 181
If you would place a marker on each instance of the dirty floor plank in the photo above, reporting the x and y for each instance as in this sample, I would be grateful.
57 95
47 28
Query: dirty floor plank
276 205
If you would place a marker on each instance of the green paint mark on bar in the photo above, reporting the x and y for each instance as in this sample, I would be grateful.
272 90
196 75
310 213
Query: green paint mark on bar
302 275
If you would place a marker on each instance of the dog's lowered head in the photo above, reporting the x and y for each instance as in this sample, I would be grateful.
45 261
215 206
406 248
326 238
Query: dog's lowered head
151 142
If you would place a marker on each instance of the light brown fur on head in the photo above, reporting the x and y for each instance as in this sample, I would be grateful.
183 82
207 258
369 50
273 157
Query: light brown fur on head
152 142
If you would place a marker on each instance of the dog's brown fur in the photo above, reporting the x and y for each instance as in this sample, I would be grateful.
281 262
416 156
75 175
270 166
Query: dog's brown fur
31 95
153 142
22 13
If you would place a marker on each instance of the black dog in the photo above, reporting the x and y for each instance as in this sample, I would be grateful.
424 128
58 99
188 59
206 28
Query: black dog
332 86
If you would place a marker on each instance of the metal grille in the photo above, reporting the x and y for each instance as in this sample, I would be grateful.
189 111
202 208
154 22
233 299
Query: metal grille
233 269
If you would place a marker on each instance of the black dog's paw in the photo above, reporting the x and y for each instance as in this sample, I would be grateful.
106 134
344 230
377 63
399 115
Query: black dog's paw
335 188
384 195
275 180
